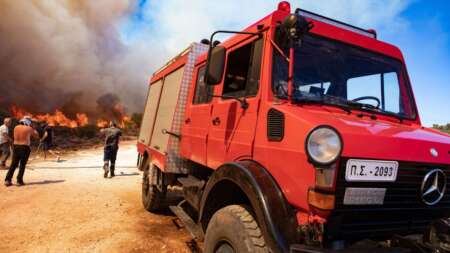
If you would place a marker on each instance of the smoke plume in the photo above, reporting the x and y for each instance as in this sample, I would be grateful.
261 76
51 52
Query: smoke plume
66 54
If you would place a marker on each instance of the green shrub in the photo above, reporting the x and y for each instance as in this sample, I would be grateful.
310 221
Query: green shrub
443 128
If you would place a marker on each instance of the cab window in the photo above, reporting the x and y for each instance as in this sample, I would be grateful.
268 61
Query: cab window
243 70
203 92
362 86
384 87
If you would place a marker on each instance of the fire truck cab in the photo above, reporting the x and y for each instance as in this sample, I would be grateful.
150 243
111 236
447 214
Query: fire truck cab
298 134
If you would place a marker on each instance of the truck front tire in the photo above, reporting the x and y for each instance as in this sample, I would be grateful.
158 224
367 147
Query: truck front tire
233 229
152 197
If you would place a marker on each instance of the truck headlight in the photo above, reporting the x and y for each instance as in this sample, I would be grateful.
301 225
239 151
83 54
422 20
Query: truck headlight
323 145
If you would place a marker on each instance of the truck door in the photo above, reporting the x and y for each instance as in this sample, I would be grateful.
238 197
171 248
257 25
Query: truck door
197 119
232 129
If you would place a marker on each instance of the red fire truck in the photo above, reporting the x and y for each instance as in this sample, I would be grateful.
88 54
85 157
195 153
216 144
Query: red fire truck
297 134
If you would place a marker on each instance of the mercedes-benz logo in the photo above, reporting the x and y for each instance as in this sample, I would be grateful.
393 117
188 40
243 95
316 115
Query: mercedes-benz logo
433 187
434 152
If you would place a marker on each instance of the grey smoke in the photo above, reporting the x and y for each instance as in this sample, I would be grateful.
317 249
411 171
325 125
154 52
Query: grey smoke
67 54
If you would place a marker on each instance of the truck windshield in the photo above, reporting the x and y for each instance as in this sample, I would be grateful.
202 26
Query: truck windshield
335 73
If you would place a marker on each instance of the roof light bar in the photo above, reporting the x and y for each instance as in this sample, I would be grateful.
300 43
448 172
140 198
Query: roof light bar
368 33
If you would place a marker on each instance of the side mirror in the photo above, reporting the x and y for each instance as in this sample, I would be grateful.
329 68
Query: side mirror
215 66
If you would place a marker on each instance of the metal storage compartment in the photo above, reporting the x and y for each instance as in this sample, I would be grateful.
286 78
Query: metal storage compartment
164 110
148 118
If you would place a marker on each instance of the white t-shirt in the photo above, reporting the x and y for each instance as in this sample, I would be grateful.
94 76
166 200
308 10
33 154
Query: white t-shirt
3 131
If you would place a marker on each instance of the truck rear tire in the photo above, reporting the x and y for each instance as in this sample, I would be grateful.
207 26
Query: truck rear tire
233 229
152 197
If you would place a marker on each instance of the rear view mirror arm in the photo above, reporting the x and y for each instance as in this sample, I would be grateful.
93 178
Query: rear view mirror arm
279 50
212 45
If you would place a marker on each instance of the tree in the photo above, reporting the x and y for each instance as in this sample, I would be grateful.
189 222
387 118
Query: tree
442 128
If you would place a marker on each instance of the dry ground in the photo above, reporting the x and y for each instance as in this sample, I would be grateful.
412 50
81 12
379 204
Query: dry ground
69 207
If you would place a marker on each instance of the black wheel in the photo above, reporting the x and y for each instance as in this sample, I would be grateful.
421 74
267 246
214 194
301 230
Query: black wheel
152 197
233 229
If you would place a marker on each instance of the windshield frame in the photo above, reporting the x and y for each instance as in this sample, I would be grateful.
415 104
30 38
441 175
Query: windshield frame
403 81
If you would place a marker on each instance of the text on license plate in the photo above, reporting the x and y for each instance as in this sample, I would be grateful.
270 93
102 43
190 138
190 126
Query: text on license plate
371 171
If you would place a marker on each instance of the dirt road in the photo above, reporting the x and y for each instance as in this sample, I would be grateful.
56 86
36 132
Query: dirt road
69 207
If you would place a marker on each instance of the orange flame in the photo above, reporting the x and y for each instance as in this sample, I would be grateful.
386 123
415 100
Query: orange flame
102 123
56 119
18 112
82 119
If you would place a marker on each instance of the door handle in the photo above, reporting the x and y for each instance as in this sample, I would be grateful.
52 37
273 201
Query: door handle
216 121
164 131
187 121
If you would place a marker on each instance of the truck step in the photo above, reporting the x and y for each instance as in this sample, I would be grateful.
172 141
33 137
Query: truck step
194 229
192 190
191 181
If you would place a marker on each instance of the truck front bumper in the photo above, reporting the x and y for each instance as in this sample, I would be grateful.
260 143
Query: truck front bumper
398 244
304 249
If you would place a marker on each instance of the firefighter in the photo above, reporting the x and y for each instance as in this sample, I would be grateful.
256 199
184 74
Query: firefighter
5 142
21 150
112 137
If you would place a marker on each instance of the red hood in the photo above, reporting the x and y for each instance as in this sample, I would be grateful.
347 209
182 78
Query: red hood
381 139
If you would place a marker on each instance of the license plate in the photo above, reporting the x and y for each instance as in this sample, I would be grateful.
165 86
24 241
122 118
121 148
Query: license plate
364 196
371 171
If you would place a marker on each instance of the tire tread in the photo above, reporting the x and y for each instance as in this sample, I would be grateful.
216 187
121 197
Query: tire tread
250 224
153 201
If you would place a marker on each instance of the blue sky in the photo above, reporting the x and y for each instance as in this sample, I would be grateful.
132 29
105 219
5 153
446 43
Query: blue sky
426 46
421 29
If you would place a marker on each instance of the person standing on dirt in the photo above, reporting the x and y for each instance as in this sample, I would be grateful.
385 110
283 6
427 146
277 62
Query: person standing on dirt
112 137
46 141
5 142
21 150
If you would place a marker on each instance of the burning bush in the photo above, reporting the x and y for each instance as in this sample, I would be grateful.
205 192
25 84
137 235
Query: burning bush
109 109
73 129
58 118
137 119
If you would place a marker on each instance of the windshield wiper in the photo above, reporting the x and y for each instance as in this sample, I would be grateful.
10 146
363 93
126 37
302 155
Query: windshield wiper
347 105
328 100
372 108
344 104
359 105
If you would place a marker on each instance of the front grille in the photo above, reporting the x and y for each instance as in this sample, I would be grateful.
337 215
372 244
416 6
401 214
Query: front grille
403 211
